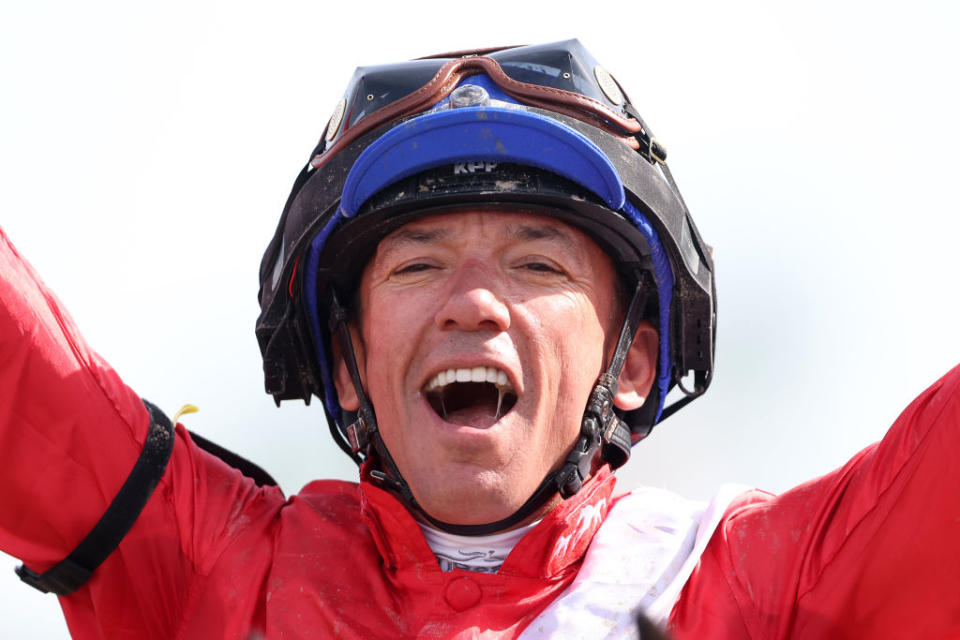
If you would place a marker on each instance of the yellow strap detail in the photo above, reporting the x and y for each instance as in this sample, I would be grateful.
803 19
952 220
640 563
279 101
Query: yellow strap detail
187 408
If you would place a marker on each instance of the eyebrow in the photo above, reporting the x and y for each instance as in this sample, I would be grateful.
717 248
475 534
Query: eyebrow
543 232
404 236
524 232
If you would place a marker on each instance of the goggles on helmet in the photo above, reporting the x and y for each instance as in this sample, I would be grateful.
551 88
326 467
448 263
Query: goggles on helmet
561 77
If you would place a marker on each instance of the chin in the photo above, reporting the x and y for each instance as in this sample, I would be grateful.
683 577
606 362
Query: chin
469 496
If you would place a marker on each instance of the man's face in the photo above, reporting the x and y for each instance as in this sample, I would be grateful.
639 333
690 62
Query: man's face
481 336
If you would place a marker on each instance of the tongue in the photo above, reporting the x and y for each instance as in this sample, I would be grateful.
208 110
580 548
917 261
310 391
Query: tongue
480 416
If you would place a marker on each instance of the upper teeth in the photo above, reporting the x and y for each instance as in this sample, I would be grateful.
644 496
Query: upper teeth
475 374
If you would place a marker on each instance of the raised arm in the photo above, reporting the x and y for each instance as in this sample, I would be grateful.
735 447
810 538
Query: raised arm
70 433
871 550
70 430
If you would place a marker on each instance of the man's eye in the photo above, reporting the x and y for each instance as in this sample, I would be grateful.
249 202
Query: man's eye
416 267
540 267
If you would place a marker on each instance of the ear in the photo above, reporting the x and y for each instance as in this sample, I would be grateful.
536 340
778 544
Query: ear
639 369
346 393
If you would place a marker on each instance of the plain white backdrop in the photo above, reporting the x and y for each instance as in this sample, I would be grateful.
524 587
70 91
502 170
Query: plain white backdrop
146 151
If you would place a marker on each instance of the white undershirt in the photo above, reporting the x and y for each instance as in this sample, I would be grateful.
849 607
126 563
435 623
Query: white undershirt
474 553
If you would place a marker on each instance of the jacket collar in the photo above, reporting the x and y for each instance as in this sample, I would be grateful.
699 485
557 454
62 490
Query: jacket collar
556 544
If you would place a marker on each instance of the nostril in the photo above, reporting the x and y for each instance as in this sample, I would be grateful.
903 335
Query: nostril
476 308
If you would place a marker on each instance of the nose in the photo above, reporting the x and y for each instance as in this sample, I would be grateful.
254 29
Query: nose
472 302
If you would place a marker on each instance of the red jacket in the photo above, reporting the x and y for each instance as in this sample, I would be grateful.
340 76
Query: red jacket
870 550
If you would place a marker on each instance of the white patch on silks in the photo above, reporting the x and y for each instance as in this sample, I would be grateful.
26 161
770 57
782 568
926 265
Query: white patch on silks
591 516
563 543
587 520
639 560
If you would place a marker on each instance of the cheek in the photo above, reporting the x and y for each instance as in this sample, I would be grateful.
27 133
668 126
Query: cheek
571 337
384 340
580 328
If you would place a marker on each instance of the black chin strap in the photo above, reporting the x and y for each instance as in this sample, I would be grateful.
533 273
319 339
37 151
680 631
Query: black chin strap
601 427
600 430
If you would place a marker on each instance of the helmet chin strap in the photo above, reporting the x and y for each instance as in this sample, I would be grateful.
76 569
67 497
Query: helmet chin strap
601 430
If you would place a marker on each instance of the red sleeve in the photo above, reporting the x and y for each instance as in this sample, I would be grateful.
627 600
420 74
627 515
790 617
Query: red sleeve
70 432
871 550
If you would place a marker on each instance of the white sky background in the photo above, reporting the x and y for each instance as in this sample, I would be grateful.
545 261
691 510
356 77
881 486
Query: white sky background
146 153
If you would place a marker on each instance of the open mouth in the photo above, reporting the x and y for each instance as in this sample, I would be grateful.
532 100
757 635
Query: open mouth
478 396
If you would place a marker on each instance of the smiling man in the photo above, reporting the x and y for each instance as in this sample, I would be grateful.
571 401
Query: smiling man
481 337
488 276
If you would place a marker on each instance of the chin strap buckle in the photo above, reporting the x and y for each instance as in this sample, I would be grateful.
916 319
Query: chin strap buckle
576 469
600 405
598 425
360 430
